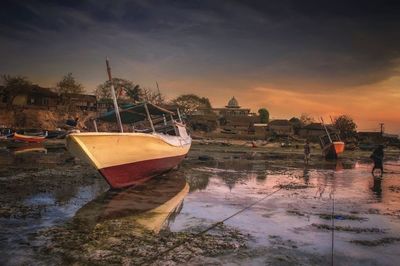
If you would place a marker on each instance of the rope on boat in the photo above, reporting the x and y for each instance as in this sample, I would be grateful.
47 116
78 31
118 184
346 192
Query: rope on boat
180 243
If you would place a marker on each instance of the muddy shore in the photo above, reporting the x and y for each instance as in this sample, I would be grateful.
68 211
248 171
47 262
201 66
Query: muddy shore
44 219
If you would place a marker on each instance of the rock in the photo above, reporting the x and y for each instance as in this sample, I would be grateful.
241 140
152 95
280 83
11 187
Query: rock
205 158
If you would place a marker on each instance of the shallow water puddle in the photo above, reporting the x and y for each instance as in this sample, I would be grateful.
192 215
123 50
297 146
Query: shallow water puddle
299 215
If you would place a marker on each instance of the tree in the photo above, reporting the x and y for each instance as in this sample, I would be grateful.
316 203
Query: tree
264 115
133 93
124 89
296 123
345 125
68 84
152 96
189 103
306 119
14 85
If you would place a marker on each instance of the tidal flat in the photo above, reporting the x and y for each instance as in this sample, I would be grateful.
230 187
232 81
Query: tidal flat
57 210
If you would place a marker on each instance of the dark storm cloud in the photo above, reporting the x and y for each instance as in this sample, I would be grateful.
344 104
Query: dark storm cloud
340 43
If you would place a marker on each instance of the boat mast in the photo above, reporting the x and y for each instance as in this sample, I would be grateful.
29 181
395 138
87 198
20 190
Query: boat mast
149 117
179 115
116 108
159 94
327 132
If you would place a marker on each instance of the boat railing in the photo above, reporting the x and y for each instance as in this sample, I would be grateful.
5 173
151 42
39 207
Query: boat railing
159 127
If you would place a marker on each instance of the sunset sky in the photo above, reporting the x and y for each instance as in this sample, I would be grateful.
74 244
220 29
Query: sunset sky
292 57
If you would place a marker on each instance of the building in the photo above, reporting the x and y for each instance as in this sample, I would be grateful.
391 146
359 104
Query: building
281 127
85 102
33 95
314 130
232 109
233 118
260 130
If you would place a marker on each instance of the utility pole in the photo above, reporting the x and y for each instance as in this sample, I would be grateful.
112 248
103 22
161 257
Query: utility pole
382 128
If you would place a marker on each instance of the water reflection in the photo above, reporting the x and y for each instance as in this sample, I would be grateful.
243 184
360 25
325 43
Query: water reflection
377 187
30 157
30 148
149 206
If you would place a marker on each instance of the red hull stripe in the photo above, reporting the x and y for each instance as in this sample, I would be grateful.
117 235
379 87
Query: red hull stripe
136 173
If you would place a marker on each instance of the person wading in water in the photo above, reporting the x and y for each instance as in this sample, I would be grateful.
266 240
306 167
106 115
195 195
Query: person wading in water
307 152
377 156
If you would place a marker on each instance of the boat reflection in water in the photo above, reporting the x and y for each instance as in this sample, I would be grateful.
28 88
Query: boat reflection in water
30 148
148 206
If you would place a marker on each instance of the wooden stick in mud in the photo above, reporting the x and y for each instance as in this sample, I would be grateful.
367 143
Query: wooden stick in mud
116 108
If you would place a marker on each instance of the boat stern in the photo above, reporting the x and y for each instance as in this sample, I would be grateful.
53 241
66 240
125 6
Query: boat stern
339 146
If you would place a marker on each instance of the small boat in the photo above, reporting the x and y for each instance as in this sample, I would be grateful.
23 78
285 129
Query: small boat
130 158
28 138
56 134
333 149
6 133
331 145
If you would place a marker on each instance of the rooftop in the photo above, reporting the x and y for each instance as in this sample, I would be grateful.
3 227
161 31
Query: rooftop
233 103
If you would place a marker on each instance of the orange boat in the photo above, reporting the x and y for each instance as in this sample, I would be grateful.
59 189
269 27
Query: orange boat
28 139
331 145
333 149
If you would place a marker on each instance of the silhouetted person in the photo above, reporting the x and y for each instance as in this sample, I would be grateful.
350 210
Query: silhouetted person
307 152
377 156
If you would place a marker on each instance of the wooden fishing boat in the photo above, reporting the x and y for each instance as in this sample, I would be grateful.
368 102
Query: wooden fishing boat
28 138
332 150
149 206
126 159
331 144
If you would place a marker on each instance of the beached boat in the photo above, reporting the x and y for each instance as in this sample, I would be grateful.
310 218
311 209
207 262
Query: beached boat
331 144
28 138
332 150
126 159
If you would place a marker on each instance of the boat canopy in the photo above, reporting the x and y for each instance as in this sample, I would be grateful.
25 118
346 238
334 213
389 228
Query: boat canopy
131 113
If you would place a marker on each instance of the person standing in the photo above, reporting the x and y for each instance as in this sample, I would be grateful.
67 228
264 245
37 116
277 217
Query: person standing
377 156
307 152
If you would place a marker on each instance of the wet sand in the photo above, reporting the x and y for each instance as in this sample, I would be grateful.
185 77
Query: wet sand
56 210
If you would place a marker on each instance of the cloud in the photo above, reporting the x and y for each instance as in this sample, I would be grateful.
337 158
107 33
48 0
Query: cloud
293 47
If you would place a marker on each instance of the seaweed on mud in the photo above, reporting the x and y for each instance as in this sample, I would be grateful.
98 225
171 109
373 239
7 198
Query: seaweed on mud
349 228
328 216
292 186
376 242
395 189
117 243
295 212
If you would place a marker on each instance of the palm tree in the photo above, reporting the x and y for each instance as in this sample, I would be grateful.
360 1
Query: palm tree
133 92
